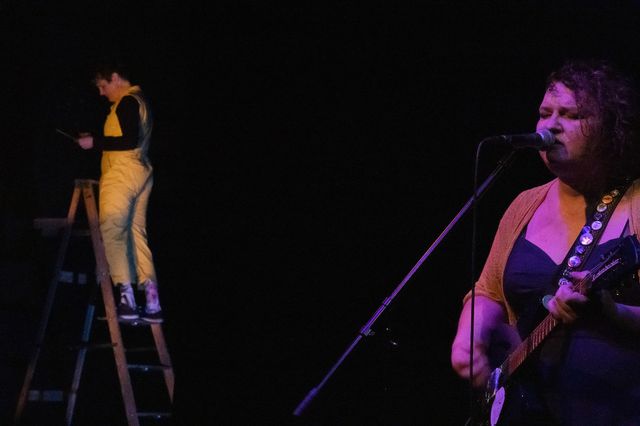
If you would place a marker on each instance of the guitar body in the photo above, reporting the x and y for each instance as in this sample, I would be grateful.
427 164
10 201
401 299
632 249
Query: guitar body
508 402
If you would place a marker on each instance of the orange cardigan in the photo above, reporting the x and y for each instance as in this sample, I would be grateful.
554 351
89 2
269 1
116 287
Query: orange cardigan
511 225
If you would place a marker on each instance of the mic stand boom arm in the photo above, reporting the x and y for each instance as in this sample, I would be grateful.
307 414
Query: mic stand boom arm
366 329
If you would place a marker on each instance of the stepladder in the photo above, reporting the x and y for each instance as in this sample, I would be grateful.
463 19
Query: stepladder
69 380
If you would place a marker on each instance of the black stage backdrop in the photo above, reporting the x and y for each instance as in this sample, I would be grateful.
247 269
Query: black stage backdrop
305 158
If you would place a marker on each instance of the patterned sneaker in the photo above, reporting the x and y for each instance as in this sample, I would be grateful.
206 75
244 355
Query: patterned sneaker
127 309
152 309
152 317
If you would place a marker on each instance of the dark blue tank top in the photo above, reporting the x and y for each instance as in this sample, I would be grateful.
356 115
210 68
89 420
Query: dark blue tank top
588 373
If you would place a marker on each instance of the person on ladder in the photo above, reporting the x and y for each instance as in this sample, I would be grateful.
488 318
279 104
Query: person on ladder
125 185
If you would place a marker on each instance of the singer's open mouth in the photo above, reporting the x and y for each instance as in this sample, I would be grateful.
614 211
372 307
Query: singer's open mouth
555 143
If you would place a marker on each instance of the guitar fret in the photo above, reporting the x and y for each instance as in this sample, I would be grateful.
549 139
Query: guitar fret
530 344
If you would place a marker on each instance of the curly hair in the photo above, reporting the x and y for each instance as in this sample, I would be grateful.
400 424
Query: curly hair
605 93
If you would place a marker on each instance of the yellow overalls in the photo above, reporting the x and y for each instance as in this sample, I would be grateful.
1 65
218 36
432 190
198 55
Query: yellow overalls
125 185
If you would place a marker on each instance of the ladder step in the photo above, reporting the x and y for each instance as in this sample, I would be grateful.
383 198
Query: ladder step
71 277
91 346
147 367
107 345
156 415
81 232
141 349
46 395
50 223
138 322
49 226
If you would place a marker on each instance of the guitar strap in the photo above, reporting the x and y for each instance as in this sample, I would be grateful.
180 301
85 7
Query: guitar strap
598 215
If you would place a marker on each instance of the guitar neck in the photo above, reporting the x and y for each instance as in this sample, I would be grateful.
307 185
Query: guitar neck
524 349
528 345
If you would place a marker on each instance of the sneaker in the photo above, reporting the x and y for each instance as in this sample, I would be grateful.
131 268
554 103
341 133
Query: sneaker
152 317
127 309
152 309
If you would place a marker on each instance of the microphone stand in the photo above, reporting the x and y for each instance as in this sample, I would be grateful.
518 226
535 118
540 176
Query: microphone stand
366 331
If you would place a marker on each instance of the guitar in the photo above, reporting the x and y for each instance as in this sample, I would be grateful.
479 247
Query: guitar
615 265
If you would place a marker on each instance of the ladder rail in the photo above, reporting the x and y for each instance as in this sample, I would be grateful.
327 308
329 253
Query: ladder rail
102 272
165 359
48 306
77 373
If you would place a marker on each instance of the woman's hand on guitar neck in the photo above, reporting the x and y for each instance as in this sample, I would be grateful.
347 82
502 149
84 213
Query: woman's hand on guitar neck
563 304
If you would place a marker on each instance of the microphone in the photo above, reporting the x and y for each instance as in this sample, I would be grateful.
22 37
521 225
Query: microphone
540 140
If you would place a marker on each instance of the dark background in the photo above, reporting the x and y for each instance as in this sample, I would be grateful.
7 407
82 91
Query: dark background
306 156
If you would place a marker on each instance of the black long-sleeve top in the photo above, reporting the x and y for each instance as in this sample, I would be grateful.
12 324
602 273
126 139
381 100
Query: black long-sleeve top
128 115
